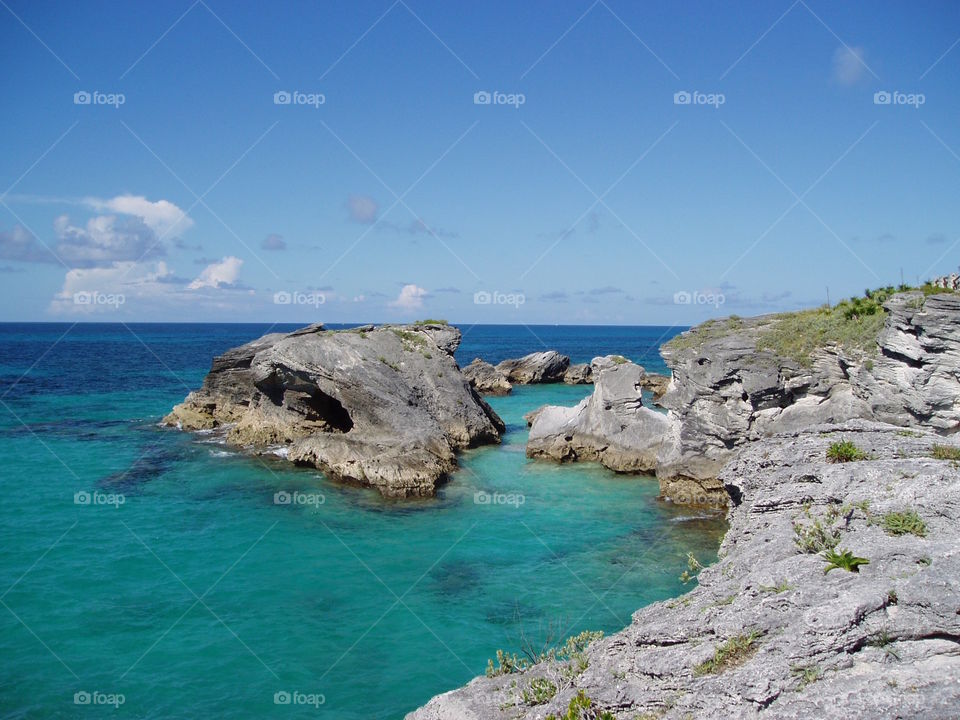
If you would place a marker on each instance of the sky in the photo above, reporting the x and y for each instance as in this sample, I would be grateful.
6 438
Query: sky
589 162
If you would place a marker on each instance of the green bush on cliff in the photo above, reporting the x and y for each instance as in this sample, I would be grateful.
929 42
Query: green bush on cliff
845 451
581 708
853 324
729 654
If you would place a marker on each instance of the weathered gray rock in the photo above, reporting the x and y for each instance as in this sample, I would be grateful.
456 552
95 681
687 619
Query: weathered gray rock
486 379
883 642
611 426
725 392
385 407
657 384
579 374
539 367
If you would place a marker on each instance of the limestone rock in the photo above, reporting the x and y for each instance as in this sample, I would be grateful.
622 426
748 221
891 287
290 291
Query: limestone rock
579 374
385 407
486 379
610 426
539 367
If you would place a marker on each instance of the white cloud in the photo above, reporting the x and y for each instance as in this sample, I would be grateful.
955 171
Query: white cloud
110 289
410 298
848 65
273 242
218 274
105 239
162 216
362 208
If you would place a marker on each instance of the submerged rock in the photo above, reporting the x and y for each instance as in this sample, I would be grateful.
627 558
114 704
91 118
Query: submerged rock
539 367
486 379
767 633
385 407
610 426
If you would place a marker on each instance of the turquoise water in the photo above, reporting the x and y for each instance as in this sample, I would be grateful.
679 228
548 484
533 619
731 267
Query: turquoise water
200 596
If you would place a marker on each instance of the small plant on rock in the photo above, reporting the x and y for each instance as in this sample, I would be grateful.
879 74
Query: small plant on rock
539 691
729 654
945 452
844 451
693 569
907 522
581 708
843 560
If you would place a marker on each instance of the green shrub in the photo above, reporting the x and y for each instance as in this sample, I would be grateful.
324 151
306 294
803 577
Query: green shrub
815 537
581 708
431 321
729 654
906 522
843 560
539 691
945 452
844 451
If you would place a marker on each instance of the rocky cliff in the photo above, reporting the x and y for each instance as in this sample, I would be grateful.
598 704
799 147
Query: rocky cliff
383 406
737 380
835 596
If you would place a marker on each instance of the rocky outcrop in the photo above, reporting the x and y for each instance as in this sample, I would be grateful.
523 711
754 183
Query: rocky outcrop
486 379
579 374
656 384
611 426
768 633
385 407
539 367
726 392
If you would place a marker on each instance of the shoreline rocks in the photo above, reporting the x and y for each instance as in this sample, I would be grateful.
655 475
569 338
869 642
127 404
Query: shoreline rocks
539 367
611 426
486 379
767 633
384 407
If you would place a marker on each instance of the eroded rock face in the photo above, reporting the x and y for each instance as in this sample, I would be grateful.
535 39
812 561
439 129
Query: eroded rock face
539 367
579 374
385 407
725 392
611 426
883 642
486 379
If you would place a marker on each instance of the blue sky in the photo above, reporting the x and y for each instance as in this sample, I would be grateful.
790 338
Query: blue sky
587 191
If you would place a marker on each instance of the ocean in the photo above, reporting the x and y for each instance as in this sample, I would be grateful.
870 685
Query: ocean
149 573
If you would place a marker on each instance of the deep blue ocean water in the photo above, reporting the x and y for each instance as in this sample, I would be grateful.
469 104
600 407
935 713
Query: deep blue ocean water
199 596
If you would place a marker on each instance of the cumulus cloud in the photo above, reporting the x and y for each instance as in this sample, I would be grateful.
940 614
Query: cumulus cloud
362 209
273 242
848 65
132 231
161 216
410 298
105 239
223 273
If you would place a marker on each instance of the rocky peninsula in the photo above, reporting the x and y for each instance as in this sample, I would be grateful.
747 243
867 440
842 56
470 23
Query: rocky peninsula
385 407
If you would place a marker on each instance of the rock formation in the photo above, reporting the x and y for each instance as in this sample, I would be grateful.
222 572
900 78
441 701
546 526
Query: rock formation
767 633
539 367
385 407
610 426
726 392
486 379
579 374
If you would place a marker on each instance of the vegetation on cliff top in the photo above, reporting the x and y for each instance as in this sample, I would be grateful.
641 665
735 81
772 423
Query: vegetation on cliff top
852 324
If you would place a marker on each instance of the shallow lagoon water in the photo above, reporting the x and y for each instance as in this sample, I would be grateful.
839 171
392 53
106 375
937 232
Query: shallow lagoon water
199 595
